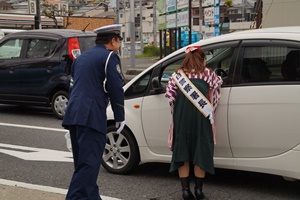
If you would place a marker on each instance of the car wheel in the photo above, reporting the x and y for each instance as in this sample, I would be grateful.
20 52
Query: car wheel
121 153
59 103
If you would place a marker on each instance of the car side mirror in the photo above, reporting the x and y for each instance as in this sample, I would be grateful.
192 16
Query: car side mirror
156 85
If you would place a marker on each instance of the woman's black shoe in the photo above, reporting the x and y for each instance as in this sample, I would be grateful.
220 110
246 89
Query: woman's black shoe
187 195
186 192
198 188
199 194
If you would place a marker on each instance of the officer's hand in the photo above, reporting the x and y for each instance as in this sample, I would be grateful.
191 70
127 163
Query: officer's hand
120 126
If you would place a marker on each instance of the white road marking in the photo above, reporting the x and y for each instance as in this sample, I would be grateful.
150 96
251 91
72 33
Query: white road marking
42 188
36 154
33 127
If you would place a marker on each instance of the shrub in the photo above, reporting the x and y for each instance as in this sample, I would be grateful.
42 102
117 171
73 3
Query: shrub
151 50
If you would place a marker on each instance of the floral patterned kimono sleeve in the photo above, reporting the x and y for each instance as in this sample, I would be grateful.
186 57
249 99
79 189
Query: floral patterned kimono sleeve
171 92
215 85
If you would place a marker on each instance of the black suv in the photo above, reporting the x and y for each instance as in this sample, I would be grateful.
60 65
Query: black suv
35 66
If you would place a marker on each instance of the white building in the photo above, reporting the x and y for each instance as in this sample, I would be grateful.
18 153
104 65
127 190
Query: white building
147 24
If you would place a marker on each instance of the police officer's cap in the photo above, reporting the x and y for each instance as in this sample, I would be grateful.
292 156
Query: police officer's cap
104 31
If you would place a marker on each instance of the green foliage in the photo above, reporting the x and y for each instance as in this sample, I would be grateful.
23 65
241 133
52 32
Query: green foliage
228 3
151 50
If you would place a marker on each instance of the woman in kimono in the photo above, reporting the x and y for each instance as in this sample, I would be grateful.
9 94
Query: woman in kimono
193 142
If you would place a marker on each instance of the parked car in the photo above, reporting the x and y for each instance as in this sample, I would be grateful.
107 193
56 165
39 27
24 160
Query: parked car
5 31
257 119
35 66
1 34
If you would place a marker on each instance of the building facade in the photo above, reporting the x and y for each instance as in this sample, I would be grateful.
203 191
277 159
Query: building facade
280 13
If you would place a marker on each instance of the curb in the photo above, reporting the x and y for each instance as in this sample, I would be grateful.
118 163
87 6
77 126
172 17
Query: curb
134 71
41 188
131 73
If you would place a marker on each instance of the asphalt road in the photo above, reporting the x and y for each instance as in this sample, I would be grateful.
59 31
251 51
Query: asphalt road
151 181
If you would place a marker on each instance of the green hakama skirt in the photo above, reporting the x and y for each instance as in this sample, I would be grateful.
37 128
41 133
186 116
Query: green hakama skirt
193 137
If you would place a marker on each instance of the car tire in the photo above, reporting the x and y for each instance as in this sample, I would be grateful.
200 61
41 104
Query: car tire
59 103
121 153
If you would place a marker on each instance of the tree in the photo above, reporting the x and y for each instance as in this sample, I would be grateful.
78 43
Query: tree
227 4
53 10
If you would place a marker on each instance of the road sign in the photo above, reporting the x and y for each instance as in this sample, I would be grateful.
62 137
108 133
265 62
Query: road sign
212 15
183 18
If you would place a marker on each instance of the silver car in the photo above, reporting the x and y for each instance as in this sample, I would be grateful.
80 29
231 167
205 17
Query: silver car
257 119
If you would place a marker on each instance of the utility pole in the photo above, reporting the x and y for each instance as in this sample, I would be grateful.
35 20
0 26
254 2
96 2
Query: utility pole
259 14
117 11
132 34
200 18
141 26
243 10
37 17
154 24
190 21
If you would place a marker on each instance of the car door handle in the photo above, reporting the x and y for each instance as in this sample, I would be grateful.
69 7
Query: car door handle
49 69
11 70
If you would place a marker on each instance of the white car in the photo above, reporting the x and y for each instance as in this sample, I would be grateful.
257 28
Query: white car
257 119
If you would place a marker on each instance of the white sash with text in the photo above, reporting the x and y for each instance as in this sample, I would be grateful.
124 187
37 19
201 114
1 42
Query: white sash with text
194 95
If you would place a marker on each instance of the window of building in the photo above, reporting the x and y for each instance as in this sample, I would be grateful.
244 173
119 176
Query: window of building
196 21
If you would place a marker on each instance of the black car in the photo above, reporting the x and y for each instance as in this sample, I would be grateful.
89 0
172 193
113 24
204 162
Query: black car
35 66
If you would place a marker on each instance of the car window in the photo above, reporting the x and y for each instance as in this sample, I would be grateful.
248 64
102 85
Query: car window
220 60
270 64
168 71
139 88
39 48
11 49
86 43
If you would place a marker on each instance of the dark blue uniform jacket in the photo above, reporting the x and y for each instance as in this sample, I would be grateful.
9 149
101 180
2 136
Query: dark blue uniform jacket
88 101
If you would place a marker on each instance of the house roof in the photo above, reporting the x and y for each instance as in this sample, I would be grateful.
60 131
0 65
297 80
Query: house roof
106 14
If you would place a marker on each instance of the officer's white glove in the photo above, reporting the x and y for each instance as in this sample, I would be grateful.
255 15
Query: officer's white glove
120 126
68 140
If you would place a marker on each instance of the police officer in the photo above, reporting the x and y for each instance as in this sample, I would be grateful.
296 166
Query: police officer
96 79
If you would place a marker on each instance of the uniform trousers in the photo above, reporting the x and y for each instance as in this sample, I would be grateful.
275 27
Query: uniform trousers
87 145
